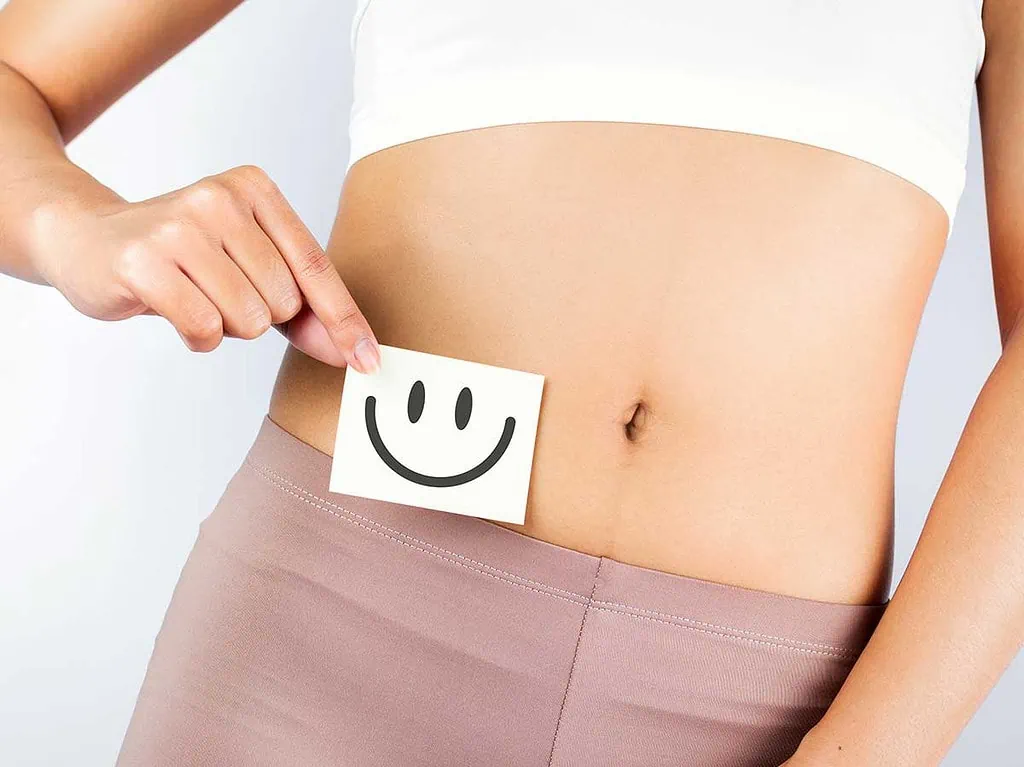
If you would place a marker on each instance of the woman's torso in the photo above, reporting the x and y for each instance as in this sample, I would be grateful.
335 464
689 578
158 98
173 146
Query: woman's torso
723 320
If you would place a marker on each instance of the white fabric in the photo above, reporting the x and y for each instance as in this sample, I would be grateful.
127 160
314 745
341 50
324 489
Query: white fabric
889 82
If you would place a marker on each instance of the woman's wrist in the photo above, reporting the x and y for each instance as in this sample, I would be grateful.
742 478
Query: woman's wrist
42 213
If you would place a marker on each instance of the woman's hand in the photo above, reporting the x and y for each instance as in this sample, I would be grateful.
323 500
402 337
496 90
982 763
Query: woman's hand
226 256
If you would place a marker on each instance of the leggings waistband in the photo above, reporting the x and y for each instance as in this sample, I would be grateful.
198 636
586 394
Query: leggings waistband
301 472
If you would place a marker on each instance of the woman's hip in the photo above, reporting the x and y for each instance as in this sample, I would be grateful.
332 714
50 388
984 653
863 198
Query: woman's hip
315 628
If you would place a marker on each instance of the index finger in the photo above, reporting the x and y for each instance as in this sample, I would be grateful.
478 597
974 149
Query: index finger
319 281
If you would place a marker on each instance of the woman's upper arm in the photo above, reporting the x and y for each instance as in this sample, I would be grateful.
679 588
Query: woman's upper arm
82 55
1001 109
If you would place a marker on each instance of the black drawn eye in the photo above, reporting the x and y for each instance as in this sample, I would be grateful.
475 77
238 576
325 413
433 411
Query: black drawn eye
416 396
463 408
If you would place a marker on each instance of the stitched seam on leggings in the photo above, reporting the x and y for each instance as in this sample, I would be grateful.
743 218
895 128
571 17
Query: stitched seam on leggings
704 624
572 665
275 479
407 537
579 601
849 656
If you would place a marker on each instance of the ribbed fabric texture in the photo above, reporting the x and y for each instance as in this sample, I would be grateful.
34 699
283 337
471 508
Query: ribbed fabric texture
311 628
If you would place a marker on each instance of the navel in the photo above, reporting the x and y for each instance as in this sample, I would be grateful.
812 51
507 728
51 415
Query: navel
637 422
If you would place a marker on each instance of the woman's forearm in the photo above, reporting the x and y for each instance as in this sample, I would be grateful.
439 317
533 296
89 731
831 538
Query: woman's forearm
957 618
62 64
224 256
36 177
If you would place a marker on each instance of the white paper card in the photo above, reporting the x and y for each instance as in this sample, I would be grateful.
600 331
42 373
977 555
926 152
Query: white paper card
438 432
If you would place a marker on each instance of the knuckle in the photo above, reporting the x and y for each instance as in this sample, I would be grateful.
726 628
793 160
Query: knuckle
314 263
283 295
287 304
133 261
251 176
343 318
203 329
210 195
173 232
255 320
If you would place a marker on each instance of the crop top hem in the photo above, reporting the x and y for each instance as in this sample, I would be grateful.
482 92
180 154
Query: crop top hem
859 128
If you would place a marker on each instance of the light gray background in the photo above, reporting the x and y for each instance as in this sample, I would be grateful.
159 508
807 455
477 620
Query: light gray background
115 441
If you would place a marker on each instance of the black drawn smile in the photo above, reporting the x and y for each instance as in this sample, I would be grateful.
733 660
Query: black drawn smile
426 479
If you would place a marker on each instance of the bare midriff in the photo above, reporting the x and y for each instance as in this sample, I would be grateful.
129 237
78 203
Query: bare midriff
724 323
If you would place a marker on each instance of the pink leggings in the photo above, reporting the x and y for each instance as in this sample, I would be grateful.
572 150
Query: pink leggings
311 628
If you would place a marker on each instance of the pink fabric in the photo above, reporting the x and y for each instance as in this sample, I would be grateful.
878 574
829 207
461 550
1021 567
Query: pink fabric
311 628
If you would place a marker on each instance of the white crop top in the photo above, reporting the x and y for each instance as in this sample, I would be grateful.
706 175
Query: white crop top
889 82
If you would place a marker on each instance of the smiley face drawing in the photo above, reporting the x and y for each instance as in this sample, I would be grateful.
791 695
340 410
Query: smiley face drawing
463 411
440 433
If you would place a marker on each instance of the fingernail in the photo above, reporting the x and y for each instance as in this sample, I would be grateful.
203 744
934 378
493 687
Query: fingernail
367 356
